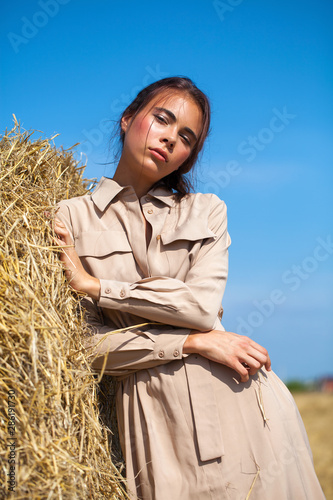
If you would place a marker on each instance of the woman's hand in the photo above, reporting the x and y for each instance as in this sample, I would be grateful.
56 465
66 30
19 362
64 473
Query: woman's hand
75 273
240 353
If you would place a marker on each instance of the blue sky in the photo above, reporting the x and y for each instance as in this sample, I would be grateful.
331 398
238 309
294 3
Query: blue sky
70 67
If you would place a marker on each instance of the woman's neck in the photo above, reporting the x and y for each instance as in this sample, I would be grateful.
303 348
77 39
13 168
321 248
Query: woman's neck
126 177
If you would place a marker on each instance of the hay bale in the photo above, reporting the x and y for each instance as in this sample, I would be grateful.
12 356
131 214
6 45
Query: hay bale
51 429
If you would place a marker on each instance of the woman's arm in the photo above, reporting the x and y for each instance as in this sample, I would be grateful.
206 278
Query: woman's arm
76 275
132 349
124 352
191 304
238 352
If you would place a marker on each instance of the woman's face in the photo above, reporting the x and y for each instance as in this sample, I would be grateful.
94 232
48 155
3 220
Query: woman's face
161 137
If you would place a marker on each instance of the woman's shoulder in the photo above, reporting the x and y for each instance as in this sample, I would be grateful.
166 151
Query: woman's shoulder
207 197
77 208
75 212
202 210
76 201
204 202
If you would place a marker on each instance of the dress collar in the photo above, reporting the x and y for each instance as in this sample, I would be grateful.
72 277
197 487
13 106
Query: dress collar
107 189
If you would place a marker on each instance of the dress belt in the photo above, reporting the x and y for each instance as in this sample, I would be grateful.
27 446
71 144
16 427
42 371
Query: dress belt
206 418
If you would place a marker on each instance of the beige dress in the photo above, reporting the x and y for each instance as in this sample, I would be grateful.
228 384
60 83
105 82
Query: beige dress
189 429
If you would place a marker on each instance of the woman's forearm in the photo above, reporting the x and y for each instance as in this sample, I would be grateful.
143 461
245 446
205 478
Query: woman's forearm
92 287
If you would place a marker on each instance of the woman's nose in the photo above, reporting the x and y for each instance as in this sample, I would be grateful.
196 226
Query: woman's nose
169 141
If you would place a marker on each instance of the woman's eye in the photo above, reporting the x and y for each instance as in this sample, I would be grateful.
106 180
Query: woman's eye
186 139
161 119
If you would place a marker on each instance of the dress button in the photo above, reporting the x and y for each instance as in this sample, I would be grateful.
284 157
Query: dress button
176 353
107 290
150 211
122 293
161 354
158 237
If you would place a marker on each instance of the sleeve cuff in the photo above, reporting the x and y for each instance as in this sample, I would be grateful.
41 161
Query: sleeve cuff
168 346
113 291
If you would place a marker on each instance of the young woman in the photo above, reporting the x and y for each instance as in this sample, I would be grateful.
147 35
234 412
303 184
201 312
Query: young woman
200 413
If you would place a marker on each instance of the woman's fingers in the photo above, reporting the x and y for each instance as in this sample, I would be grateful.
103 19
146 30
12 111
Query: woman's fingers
259 353
265 359
68 256
268 364
62 233
249 365
259 356
75 273
238 352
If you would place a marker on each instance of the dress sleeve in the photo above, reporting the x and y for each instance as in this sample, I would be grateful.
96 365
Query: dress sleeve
120 353
192 304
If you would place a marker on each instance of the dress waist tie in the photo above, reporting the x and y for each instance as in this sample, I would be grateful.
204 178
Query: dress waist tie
206 418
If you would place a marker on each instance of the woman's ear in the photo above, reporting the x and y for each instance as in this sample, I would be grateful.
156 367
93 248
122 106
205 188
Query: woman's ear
125 122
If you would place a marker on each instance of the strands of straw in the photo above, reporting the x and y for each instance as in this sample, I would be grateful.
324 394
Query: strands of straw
52 417
253 482
260 401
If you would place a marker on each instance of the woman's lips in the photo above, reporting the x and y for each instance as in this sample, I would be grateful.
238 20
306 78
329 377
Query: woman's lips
159 154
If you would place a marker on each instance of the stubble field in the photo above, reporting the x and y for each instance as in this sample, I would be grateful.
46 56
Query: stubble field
316 409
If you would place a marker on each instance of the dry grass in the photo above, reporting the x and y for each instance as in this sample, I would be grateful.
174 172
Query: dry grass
61 446
316 409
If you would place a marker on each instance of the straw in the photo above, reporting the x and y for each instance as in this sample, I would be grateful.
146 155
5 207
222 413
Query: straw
56 421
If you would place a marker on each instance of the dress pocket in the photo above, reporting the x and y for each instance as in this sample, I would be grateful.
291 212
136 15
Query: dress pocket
101 243
189 232
182 244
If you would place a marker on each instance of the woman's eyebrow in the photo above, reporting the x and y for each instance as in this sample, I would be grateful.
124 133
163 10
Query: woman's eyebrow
173 119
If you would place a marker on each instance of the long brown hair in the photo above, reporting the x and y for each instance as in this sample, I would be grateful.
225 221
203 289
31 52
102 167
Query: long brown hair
176 180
